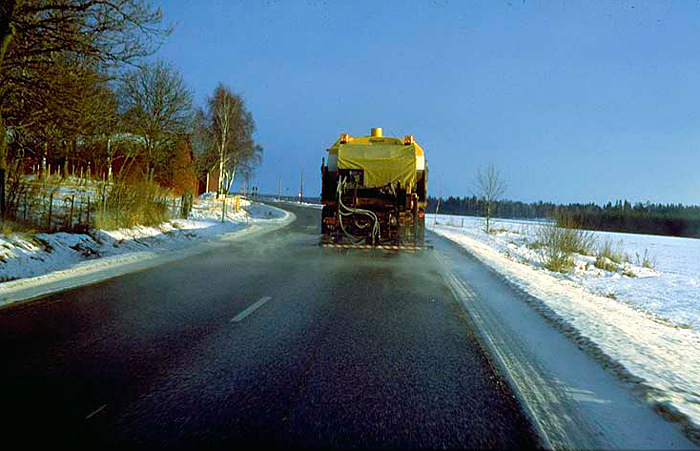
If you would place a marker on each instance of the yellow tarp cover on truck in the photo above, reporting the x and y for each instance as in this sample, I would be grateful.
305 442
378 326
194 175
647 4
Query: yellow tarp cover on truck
382 163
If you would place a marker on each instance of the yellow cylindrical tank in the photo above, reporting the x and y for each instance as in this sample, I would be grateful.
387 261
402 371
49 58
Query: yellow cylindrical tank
377 132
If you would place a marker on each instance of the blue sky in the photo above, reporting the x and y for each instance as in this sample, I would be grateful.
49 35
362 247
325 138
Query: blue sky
571 101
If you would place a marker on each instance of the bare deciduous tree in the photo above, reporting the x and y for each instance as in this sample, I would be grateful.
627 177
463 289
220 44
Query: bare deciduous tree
98 126
99 109
157 106
490 187
35 34
48 125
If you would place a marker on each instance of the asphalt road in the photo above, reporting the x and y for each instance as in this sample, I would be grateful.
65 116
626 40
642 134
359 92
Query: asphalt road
272 341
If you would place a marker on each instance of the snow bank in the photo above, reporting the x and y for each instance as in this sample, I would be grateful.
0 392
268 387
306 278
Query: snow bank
30 261
301 204
651 328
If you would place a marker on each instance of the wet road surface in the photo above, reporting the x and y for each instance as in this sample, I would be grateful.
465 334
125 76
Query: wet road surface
272 341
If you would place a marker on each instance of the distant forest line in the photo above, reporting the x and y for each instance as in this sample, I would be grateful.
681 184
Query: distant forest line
621 216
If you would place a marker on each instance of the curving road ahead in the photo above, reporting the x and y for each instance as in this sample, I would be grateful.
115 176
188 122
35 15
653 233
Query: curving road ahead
273 341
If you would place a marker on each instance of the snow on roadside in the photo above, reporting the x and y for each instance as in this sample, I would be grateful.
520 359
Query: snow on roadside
641 332
22 257
300 204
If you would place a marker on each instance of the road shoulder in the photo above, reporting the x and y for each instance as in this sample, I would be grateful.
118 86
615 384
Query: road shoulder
574 400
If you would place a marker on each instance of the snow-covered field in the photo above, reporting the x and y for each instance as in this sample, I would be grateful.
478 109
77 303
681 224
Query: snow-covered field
31 260
669 290
645 319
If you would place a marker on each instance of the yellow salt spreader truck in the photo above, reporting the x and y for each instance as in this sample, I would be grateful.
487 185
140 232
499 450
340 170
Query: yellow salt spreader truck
374 193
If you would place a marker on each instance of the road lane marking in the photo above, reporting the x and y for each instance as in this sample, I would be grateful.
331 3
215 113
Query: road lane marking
259 303
96 412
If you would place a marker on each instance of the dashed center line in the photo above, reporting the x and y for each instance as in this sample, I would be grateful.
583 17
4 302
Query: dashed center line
259 303
96 412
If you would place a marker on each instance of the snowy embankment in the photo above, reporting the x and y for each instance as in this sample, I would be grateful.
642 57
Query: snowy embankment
33 261
645 319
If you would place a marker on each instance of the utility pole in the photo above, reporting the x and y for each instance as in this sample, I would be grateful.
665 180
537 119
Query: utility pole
437 208
279 188
301 187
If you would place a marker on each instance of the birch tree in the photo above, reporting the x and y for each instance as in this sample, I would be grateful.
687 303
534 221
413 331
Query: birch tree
228 132
226 110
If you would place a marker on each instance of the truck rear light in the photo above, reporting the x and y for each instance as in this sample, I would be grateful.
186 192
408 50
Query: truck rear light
421 214
329 220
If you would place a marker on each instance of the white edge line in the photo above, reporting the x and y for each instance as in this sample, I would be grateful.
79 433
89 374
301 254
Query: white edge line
259 303
466 297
